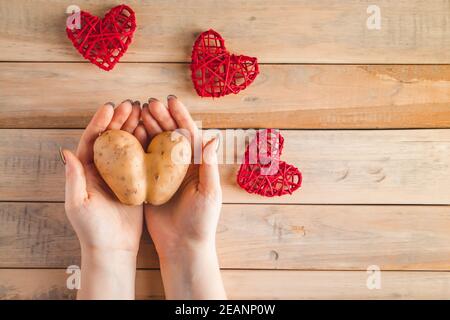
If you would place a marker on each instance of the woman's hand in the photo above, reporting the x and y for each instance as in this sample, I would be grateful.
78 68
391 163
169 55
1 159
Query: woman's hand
109 232
183 230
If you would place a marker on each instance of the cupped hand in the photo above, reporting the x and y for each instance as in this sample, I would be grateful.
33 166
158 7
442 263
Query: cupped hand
101 222
184 229
189 220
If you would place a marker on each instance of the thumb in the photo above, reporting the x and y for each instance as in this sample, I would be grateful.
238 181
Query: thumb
209 177
75 179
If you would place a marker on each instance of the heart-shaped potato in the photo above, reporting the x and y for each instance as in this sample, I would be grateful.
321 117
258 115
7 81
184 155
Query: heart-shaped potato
136 176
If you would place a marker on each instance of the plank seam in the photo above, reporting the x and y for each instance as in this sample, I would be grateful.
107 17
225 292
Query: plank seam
272 203
260 63
250 269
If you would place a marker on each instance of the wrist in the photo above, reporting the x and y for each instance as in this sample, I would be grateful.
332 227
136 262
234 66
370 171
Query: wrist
187 250
192 271
107 274
108 258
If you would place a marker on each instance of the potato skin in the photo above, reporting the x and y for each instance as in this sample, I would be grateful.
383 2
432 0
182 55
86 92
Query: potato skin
135 176
119 158
168 157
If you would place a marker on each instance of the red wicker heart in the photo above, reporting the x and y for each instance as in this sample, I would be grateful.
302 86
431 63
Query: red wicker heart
104 41
262 172
216 72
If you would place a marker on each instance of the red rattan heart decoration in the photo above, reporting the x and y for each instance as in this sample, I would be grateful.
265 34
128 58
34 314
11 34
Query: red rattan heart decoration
216 72
262 172
104 41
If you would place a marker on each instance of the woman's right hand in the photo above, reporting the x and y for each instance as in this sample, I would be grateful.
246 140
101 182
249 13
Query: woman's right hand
109 231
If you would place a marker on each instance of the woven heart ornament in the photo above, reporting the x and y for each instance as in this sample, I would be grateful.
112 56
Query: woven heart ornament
262 172
104 41
215 71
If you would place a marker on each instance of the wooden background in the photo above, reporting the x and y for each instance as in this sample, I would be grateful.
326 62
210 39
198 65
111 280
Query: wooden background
367 119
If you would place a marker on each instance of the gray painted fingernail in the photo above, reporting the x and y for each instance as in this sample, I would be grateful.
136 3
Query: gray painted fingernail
111 104
61 155
171 96
150 100
128 100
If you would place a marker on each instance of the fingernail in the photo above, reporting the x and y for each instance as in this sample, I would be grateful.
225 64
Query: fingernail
61 155
216 141
145 105
137 102
217 144
111 104
128 100
171 96
152 100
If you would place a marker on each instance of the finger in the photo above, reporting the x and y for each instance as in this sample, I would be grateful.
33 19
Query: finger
160 113
181 115
133 120
98 124
121 114
209 178
141 134
150 124
184 120
75 180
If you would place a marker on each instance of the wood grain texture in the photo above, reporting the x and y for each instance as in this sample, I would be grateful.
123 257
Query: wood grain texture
306 96
339 167
325 31
248 284
319 70
37 235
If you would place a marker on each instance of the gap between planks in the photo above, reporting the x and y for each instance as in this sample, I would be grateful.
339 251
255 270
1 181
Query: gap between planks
271 203
259 63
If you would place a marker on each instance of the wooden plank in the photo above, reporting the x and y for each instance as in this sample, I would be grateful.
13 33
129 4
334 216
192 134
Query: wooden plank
38 235
339 167
248 284
307 96
325 31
